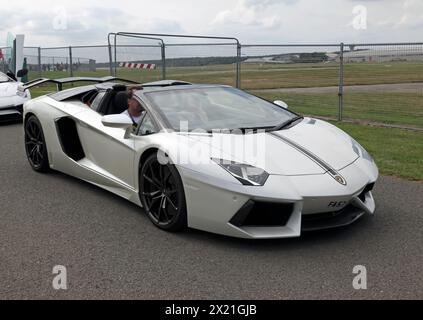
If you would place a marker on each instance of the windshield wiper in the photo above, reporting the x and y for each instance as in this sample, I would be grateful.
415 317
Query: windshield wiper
242 129
287 123
253 128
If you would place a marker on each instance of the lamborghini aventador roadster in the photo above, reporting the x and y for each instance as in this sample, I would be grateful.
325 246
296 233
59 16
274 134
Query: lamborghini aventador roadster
209 157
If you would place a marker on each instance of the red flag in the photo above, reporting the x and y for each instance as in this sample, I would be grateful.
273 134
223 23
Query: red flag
1 55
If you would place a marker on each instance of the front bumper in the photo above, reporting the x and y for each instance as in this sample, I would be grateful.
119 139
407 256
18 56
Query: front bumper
11 113
11 108
308 203
348 215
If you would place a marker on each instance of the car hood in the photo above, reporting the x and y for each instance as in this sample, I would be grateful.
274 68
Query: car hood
310 147
8 89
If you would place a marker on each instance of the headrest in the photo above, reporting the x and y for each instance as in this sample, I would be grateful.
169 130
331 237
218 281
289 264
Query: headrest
121 102
119 87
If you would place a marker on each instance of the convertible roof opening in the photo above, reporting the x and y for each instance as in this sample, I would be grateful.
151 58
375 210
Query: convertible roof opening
60 82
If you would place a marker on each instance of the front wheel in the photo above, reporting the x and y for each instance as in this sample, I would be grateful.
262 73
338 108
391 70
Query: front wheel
35 145
162 194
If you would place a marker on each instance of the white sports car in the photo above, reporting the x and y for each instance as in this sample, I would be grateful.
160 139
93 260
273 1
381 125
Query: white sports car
209 157
11 98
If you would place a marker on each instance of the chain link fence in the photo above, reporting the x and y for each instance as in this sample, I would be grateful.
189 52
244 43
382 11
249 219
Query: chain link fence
380 83
296 74
144 57
384 83
90 61
138 58
213 63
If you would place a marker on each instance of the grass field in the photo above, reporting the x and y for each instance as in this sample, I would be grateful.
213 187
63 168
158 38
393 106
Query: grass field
269 76
390 107
397 152
387 107
398 108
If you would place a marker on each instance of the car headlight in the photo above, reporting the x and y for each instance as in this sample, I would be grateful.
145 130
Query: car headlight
360 151
22 93
246 174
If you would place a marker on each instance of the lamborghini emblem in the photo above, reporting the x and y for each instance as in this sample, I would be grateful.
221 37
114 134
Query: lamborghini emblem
340 180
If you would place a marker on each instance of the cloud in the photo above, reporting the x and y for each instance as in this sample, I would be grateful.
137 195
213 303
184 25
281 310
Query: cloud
250 13
266 3
252 21
79 26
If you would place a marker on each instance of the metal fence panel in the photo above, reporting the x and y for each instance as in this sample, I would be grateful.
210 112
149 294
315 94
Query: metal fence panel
90 61
304 76
137 58
384 83
203 59
213 63
55 62
380 83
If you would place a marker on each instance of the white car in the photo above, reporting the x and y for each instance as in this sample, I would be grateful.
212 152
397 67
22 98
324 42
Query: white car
11 98
269 174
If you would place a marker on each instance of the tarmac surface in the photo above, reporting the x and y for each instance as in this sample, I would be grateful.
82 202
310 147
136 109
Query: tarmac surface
112 251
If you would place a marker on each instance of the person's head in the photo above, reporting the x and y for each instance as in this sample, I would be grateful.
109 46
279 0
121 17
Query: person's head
134 107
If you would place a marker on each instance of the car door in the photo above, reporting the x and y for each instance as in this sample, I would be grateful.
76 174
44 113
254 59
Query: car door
106 149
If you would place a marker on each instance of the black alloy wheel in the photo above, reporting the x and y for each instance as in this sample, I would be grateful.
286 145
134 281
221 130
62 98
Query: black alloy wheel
35 145
162 194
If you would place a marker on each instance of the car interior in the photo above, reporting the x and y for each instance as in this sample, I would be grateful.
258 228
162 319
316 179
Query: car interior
89 97
105 101
115 101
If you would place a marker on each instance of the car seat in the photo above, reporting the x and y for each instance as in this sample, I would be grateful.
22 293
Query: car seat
120 103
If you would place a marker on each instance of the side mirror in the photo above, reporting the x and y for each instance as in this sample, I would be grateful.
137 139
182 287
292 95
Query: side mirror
11 75
22 73
280 103
120 121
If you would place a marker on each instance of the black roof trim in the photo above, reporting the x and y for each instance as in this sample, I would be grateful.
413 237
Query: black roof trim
165 83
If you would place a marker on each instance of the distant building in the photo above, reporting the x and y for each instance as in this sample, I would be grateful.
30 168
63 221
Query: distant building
383 55
285 58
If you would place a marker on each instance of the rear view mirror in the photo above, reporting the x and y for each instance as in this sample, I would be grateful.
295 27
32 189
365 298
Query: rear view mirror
280 103
22 73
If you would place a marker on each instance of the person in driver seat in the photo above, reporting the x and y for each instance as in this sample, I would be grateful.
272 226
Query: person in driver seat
135 110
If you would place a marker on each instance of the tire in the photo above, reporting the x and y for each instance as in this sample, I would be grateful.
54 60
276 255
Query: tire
162 195
35 145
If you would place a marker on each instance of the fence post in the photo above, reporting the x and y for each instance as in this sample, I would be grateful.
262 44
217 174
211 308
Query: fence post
238 66
341 82
70 61
163 61
40 70
110 60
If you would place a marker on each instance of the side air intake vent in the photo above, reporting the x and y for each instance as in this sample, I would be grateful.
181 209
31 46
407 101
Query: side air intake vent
69 139
367 189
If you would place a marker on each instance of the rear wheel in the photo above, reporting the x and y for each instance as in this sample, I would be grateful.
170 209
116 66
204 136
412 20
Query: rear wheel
35 145
162 195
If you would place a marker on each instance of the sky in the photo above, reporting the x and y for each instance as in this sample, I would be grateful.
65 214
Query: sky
49 23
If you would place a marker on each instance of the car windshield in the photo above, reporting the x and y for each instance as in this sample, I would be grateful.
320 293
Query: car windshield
217 108
3 77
